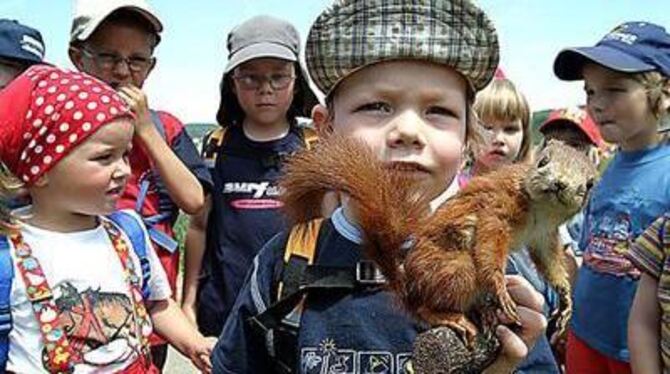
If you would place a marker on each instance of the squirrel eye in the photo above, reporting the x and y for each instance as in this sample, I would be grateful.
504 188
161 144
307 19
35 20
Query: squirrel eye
543 162
589 184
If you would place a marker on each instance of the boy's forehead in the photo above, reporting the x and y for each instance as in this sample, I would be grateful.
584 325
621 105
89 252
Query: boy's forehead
387 75
110 35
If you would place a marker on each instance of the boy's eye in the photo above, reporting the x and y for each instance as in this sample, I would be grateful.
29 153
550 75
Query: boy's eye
103 157
441 111
616 90
374 107
511 129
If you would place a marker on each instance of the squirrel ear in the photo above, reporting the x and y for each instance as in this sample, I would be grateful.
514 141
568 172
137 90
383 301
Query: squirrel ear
322 119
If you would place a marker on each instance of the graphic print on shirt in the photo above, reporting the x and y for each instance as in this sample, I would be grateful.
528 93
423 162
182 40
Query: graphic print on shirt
611 235
328 359
252 195
92 319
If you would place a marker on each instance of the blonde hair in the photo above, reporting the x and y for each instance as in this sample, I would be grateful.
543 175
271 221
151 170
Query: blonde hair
502 101
9 189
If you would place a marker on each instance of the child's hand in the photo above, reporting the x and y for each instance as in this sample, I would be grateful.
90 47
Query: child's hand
517 343
138 103
199 353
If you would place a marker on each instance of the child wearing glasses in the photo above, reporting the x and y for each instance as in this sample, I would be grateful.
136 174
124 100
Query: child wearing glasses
264 90
114 41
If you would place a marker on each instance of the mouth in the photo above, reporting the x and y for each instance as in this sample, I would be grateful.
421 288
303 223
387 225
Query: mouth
407 167
498 153
115 192
603 123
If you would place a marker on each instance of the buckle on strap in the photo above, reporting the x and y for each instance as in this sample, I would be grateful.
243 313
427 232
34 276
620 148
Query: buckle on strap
368 273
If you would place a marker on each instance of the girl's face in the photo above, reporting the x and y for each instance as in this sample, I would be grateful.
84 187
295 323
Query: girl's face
264 89
506 138
90 179
411 113
619 106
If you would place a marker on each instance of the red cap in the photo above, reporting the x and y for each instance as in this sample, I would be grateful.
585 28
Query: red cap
580 118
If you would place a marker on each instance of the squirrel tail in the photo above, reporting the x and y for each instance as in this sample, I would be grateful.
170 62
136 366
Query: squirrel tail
386 205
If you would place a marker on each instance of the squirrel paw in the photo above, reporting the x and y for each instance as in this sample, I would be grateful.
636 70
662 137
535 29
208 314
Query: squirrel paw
508 307
461 325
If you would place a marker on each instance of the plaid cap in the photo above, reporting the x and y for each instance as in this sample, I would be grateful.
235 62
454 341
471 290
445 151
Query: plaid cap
355 33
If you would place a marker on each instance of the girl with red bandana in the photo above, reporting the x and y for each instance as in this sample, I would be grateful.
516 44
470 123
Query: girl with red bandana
76 299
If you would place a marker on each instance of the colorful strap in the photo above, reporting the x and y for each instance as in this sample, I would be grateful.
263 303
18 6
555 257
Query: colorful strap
142 320
60 356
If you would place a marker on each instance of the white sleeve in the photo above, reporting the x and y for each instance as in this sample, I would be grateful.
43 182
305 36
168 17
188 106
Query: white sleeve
159 287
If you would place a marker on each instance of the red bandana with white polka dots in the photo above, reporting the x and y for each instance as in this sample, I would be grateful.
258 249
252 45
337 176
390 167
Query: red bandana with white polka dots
46 112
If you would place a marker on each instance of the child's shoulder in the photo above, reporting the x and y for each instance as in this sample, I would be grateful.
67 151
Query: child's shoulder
169 125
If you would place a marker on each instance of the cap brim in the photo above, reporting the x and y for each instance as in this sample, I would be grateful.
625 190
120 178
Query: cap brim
259 50
570 62
94 23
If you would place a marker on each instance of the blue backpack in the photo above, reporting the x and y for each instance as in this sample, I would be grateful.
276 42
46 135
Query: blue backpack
128 225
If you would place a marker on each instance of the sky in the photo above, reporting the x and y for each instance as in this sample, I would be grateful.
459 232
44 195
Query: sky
192 53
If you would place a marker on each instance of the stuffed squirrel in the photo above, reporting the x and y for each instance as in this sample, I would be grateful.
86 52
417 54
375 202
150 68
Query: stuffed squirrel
450 265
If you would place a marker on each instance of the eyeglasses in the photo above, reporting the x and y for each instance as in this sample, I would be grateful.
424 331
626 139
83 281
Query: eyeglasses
109 61
254 82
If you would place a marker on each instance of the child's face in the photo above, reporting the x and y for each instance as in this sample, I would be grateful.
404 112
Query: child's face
102 53
411 113
91 178
618 104
264 89
506 138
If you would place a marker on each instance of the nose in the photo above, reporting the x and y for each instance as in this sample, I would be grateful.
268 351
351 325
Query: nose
122 169
559 186
406 130
121 69
265 87
498 137
594 104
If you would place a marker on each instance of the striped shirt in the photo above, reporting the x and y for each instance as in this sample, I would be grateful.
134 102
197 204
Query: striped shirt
650 253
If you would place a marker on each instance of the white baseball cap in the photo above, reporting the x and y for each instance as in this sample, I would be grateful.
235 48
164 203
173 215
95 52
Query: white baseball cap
89 14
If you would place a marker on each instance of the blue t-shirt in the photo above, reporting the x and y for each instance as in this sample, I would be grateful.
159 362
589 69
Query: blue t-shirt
362 331
245 214
633 191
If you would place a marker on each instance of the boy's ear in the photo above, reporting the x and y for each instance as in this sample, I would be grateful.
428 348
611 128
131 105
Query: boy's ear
322 119
151 68
76 57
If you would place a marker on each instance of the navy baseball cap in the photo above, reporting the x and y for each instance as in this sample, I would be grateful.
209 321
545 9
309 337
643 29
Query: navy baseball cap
632 47
20 43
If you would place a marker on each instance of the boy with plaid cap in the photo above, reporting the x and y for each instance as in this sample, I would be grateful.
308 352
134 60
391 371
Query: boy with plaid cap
20 47
114 40
400 76
627 84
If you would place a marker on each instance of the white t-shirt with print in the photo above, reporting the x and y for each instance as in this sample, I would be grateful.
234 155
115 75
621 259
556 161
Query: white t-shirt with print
84 271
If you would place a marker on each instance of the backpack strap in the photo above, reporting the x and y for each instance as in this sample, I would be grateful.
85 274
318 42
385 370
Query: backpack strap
133 229
309 136
212 143
157 236
6 277
156 119
280 323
